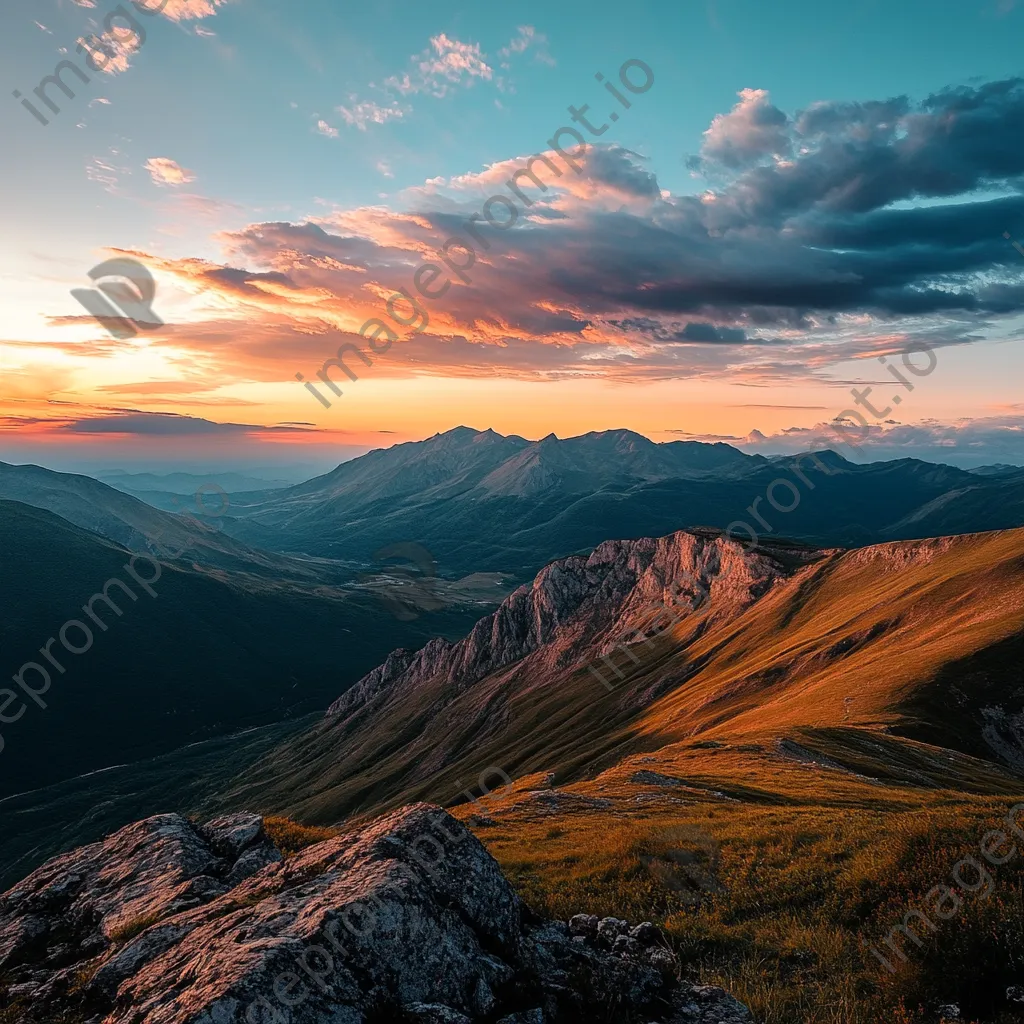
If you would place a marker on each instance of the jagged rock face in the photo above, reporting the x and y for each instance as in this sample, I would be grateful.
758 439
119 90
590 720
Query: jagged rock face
77 905
84 903
407 919
578 605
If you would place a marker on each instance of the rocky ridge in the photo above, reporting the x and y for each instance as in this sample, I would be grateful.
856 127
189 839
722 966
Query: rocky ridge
582 604
407 919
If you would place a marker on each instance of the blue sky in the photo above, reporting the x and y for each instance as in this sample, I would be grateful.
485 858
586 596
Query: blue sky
250 112
223 104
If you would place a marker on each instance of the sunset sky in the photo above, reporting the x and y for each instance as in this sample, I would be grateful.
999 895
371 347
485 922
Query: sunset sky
803 189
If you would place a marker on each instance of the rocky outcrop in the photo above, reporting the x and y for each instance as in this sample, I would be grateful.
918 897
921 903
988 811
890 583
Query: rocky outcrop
580 606
406 919
1004 733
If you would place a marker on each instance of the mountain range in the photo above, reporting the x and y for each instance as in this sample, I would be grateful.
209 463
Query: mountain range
811 732
772 749
484 502
185 485
138 526
470 499
794 648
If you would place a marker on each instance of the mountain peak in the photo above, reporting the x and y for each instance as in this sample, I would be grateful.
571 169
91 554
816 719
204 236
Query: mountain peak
620 439
462 432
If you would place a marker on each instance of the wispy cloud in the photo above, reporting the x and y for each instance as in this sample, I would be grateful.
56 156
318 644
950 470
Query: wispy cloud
444 67
325 129
204 207
107 170
133 421
965 442
446 63
187 10
792 270
527 38
112 53
113 56
165 171
365 112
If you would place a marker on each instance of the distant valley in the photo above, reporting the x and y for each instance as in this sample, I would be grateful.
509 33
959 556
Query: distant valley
212 652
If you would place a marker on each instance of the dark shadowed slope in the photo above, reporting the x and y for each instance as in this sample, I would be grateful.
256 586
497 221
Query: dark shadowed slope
135 525
205 656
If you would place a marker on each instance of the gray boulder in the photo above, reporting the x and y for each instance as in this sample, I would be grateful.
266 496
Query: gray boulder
584 925
708 1004
609 929
646 934
407 918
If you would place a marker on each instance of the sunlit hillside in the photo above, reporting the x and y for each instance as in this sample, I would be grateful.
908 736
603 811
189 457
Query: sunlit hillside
781 775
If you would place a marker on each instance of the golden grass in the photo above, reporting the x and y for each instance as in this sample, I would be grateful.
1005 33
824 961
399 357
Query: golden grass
290 837
124 933
838 720
849 640
856 640
793 891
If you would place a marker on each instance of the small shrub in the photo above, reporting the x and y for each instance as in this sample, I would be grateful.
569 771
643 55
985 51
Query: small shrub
290 837
124 933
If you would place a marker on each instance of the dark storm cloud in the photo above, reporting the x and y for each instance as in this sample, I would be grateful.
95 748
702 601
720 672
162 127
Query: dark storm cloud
711 333
798 226
861 157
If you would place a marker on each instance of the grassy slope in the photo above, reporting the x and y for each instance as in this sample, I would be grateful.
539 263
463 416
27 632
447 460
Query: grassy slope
829 825
791 767
855 640
770 892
